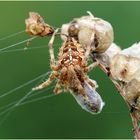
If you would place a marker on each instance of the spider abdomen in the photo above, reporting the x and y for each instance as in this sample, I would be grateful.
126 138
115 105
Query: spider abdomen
72 54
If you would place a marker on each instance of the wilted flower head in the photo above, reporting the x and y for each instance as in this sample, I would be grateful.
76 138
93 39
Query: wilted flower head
35 25
90 31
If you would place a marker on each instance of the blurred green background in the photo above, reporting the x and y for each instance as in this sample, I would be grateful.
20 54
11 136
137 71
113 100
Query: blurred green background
60 116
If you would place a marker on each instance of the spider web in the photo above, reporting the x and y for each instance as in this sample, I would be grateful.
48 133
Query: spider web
28 97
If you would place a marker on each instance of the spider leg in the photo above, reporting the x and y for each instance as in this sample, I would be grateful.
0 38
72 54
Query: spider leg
91 66
81 90
46 83
88 48
87 53
92 83
57 88
52 61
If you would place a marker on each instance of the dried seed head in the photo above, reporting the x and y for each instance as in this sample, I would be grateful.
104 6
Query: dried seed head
36 26
91 31
99 33
125 68
91 102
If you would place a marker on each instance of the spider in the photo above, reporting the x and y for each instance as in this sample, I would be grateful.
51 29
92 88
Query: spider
71 72
71 68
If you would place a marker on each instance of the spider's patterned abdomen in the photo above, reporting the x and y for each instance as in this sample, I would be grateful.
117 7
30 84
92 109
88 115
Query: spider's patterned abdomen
72 53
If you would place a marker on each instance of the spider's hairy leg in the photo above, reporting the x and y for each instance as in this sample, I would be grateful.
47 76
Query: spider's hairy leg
92 83
81 90
75 79
52 60
91 66
88 50
88 47
57 88
47 82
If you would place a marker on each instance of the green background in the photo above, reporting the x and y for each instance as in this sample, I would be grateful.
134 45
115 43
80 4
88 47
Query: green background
60 116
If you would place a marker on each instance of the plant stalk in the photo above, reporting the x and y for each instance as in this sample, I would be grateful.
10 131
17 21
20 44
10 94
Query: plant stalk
136 128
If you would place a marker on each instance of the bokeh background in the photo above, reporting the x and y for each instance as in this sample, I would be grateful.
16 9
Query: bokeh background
60 116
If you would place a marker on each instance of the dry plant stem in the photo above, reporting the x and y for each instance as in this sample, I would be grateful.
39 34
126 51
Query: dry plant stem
136 127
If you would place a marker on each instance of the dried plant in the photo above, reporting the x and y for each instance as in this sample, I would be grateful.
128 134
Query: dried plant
85 38
36 26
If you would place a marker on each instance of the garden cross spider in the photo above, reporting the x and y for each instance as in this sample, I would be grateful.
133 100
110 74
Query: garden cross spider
71 68
71 71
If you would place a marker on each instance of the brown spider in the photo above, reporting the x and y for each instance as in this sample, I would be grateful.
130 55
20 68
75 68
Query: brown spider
71 68
71 71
